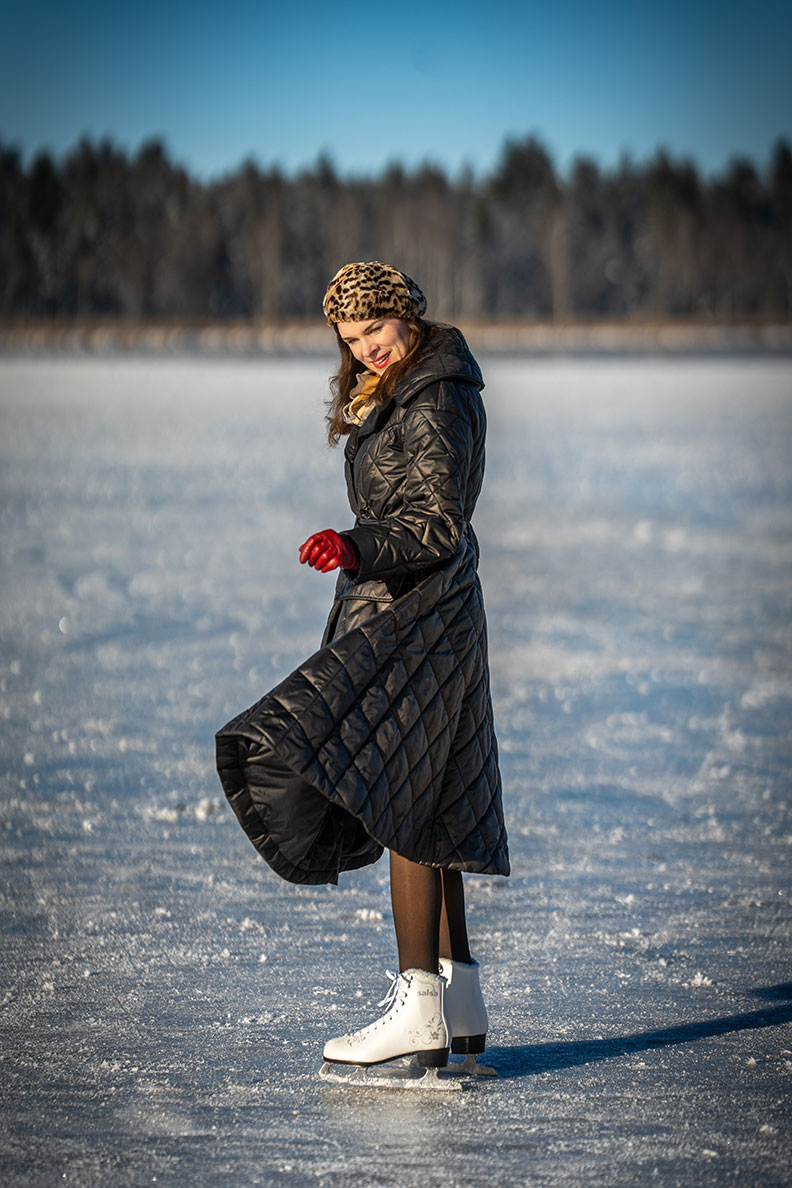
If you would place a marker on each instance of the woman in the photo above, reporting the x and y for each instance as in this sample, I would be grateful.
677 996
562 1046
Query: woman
384 738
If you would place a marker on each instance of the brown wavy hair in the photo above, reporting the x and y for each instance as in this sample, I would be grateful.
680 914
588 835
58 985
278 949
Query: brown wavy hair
349 369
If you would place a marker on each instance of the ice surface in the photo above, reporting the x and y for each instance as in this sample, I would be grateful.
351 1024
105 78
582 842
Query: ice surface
165 997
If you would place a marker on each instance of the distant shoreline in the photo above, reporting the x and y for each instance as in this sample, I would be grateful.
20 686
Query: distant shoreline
248 339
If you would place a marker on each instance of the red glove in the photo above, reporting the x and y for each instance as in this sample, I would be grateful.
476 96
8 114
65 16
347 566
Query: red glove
327 550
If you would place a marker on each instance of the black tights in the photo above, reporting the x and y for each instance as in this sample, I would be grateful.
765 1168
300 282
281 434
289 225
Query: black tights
429 914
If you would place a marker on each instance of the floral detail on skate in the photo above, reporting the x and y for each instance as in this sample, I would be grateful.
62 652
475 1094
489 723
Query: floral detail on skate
430 1032
356 1038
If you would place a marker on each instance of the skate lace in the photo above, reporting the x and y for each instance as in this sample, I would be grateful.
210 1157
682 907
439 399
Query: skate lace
392 994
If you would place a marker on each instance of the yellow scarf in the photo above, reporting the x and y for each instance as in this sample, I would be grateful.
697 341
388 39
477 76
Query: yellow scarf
357 411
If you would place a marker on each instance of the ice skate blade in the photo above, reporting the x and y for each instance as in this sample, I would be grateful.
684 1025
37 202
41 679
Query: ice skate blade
469 1067
388 1076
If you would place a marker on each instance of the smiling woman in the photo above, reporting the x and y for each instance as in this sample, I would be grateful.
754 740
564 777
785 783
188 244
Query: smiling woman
384 739
374 350
373 355
376 344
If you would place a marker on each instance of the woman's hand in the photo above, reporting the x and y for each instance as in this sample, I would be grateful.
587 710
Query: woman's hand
328 550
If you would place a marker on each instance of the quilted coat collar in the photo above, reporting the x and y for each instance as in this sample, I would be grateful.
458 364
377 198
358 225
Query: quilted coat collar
446 356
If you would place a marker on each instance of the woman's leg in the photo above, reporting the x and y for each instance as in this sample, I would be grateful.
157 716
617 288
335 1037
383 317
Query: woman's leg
416 898
428 913
453 927
415 1023
466 1013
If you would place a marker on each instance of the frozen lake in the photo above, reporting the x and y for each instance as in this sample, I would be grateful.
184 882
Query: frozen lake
165 996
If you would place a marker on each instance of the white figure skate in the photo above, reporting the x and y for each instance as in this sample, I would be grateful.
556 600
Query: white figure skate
467 1017
413 1031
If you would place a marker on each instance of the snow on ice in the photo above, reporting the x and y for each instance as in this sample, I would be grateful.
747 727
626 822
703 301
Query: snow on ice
165 997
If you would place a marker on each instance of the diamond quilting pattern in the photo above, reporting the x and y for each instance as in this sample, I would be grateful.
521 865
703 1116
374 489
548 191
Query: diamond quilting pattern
392 723
384 737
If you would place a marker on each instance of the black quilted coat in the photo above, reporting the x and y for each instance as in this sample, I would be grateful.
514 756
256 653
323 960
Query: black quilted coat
384 737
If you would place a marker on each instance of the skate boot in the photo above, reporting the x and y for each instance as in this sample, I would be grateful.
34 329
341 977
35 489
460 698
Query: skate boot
413 1027
466 1013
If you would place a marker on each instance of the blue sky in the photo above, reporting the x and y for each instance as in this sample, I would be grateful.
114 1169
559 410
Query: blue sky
372 84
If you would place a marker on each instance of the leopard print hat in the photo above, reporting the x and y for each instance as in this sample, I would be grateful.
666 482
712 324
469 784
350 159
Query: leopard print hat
369 289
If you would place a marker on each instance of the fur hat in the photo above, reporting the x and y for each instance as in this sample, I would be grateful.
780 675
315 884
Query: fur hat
371 290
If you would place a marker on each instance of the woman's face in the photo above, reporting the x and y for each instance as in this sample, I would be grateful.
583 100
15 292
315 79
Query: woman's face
377 343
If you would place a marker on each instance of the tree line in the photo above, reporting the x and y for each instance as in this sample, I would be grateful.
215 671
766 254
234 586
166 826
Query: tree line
103 233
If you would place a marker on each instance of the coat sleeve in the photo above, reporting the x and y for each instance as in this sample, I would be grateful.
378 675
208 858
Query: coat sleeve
429 525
